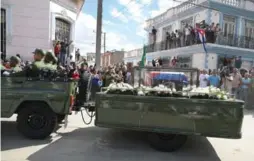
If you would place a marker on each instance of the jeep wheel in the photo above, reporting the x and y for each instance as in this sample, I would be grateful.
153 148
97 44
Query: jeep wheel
60 118
36 121
166 142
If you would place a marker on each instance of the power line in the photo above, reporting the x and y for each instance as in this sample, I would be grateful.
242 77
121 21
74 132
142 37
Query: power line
198 5
123 8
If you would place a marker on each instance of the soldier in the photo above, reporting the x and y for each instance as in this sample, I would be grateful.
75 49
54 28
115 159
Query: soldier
50 61
15 64
38 57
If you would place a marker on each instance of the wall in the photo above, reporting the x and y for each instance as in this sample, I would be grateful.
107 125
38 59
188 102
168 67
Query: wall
68 4
27 26
198 60
117 57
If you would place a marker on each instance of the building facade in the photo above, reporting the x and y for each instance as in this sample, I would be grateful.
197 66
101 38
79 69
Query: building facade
111 58
90 57
236 38
30 24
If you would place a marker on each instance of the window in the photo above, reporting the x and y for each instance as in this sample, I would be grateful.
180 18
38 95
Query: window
249 29
249 34
63 29
3 33
228 26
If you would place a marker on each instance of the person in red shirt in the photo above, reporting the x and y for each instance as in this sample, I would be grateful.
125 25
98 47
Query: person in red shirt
57 50
173 62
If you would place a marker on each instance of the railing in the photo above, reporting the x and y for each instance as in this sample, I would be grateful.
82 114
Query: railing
228 40
186 6
173 11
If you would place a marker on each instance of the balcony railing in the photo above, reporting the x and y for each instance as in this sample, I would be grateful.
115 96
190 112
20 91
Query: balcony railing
186 6
228 40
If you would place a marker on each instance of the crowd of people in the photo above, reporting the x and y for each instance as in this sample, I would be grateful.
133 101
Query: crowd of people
238 83
188 35
230 77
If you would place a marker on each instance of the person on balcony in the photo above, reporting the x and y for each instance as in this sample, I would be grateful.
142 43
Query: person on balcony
168 38
154 32
178 35
217 33
173 36
193 36
187 34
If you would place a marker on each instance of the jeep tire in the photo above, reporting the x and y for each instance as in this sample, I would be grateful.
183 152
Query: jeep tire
166 142
36 120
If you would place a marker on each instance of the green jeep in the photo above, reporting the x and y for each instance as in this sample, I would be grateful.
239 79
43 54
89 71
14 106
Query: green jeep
39 104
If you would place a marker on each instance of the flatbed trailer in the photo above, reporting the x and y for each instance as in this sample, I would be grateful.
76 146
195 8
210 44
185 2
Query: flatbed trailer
169 120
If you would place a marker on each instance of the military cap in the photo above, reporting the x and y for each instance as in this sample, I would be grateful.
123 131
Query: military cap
50 57
14 59
39 51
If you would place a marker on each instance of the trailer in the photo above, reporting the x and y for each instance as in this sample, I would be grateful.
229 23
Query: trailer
168 121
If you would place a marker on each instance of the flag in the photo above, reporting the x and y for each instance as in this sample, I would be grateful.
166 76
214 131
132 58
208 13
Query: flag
143 60
202 38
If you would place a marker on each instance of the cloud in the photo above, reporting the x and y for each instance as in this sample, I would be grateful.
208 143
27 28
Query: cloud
85 37
132 10
140 30
107 22
116 13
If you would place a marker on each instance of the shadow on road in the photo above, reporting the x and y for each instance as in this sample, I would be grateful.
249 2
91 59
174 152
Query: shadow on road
95 144
12 139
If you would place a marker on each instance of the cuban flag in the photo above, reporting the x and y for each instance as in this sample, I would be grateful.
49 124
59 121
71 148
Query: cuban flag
202 38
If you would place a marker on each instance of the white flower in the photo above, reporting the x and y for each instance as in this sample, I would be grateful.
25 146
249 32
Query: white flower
141 93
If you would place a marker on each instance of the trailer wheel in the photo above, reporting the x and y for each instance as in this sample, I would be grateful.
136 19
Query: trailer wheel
166 142
36 120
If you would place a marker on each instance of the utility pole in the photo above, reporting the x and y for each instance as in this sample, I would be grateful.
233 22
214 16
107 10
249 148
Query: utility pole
98 35
104 42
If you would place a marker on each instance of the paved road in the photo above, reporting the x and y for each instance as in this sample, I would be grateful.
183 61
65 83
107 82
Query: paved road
79 142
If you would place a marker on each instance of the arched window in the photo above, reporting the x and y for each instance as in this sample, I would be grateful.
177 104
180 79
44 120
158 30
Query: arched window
63 29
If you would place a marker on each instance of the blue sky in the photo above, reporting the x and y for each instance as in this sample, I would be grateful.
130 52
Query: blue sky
123 21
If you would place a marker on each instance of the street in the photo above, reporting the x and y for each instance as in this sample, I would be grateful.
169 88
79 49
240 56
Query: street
79 142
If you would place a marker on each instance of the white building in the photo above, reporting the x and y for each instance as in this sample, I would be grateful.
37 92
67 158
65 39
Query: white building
236 19
90 58
30 24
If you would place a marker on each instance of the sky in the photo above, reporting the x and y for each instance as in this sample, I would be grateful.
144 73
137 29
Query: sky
123 22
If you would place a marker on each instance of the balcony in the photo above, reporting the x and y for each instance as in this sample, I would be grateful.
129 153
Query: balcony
191 4
225 40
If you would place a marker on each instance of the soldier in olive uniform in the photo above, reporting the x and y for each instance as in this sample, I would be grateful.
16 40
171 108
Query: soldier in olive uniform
50 61
15 64
38 58
108 77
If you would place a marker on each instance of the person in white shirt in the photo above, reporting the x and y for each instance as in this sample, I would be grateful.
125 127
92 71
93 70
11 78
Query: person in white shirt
69 60
203 79
187 33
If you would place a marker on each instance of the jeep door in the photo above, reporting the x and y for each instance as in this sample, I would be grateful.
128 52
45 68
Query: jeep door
10 87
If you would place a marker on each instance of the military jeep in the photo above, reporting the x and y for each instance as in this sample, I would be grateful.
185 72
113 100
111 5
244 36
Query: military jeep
40 104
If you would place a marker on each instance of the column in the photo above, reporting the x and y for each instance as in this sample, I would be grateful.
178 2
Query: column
209 15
